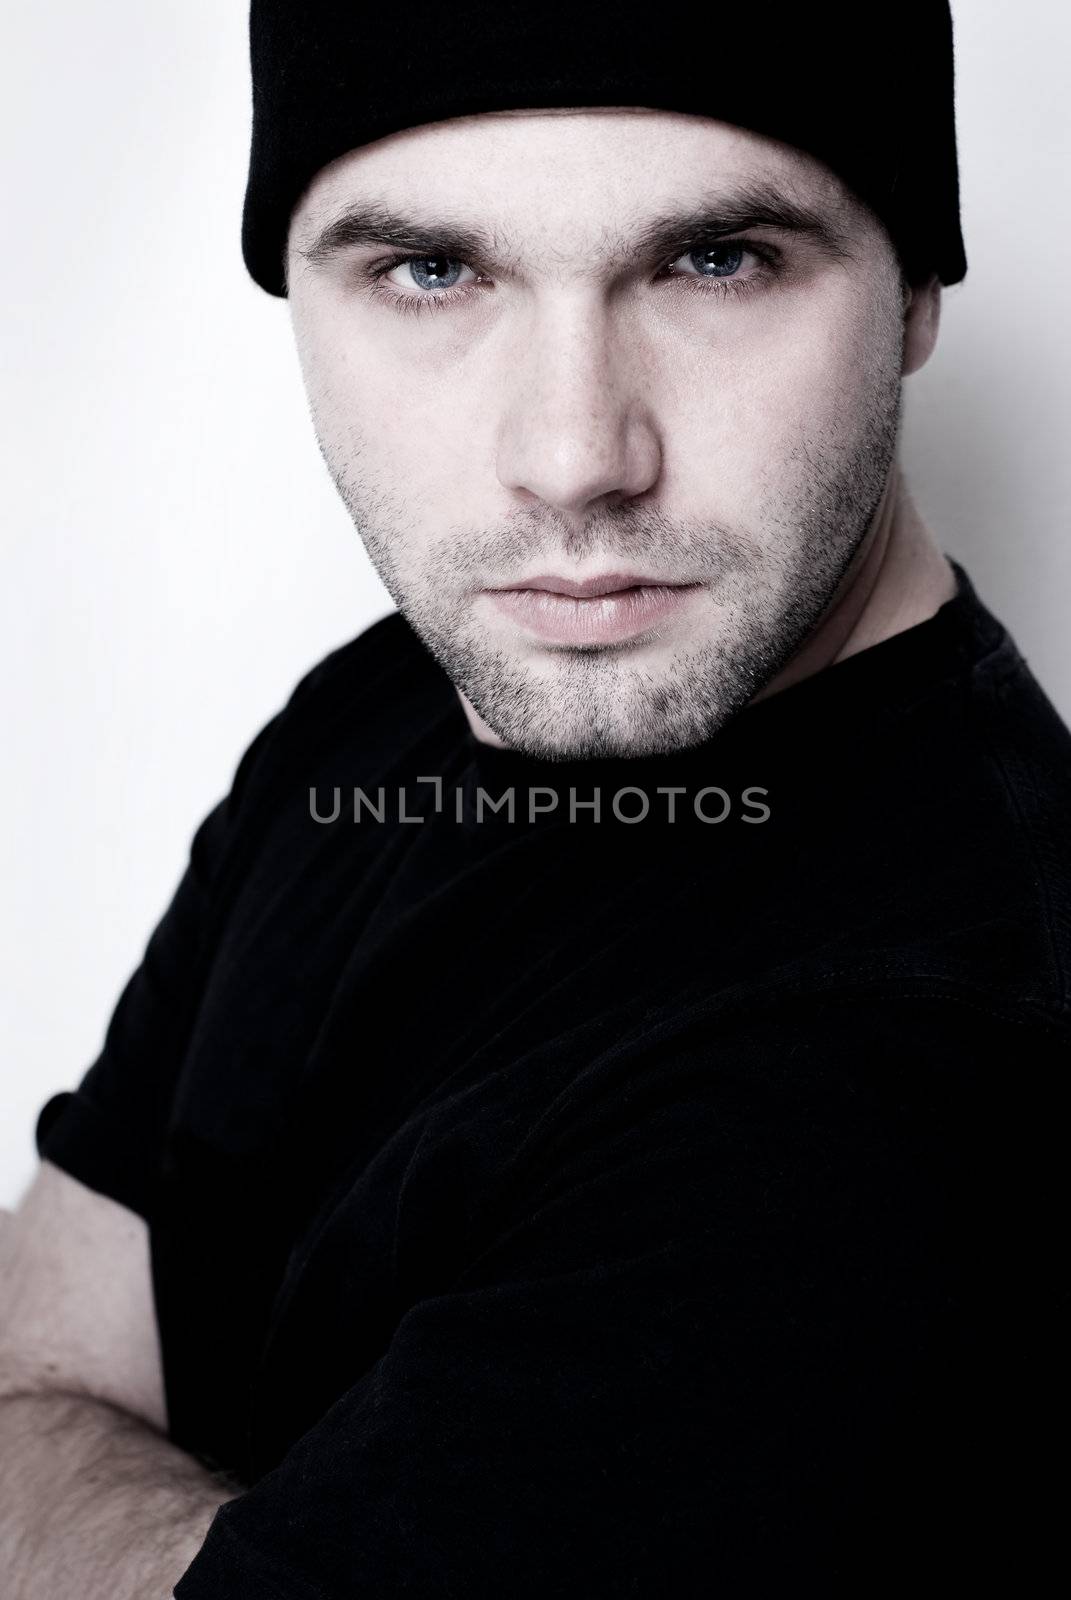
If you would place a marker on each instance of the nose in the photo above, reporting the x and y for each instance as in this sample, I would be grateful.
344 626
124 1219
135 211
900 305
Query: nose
576 426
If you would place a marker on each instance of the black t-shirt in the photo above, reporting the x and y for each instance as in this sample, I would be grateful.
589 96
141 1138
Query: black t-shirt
632 1201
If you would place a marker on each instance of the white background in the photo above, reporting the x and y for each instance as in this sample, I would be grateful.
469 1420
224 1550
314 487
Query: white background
174 554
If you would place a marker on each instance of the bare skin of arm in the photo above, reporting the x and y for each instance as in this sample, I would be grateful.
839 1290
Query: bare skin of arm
94 1498
94 1503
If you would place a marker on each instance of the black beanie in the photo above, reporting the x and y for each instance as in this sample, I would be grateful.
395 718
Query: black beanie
865 87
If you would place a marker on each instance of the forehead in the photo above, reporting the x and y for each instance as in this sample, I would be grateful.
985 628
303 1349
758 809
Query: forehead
549 160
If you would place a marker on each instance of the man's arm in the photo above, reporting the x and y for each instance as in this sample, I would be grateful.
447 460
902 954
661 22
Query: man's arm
94 1502
94 1498
768 1308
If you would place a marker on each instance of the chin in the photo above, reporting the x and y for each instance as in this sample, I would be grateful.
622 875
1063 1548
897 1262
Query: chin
550 737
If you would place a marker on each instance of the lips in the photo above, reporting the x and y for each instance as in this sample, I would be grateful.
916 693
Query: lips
589 588
614 608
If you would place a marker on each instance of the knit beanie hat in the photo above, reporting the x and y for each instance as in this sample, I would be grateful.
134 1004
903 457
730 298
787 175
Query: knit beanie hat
866 88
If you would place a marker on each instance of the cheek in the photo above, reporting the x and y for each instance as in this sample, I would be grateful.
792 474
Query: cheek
757 417
388 435
823 378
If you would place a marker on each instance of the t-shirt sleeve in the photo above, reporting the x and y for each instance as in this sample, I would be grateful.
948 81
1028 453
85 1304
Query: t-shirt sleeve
727 1323
108 1131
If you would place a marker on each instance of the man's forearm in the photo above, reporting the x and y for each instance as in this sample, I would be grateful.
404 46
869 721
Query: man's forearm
95 1503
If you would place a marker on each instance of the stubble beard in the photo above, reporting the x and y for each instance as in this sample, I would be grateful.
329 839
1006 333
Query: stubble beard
766 589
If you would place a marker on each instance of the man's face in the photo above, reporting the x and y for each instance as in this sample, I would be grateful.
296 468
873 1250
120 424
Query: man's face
703 418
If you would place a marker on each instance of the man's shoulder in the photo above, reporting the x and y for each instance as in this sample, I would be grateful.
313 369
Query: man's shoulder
354 712
369 659
942 874
955 863
1014 844
377 689
1020 728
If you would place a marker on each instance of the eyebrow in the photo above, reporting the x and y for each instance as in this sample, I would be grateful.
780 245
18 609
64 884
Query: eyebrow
754 205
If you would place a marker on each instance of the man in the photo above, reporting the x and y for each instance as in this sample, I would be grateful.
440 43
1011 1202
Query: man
589 1121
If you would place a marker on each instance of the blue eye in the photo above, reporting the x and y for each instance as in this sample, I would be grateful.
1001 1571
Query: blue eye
722 268
716 271
441 274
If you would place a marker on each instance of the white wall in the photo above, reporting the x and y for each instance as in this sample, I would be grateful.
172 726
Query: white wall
174 553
